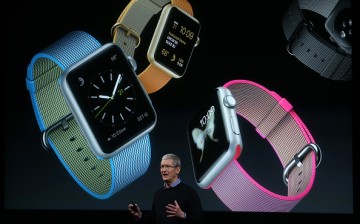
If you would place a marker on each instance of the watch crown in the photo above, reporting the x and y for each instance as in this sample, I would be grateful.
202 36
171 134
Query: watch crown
229 101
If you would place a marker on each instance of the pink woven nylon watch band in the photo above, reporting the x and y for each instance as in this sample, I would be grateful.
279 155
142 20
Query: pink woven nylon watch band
275 120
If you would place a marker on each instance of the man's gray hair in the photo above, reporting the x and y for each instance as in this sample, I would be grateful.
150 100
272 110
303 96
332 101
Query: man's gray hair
176 159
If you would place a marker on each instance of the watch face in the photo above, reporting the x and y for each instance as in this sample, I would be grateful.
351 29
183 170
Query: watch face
112 98
213 134
173 42
339 25
107 100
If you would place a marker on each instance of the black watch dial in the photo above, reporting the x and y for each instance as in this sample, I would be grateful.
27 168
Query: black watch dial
112 98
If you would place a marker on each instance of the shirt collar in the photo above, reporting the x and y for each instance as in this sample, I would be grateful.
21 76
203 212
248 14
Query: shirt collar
173 184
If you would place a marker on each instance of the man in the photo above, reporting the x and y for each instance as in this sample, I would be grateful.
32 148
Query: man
175 201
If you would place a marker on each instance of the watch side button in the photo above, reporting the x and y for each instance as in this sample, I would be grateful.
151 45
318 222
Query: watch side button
132 62
234 125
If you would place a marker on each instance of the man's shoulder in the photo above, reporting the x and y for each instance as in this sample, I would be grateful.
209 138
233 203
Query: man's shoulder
186 186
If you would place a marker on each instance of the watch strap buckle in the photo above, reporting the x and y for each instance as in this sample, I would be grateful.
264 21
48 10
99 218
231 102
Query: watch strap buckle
294 35
128 32
45 134
296 161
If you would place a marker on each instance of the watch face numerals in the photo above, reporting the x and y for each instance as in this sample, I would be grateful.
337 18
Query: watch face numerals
112 98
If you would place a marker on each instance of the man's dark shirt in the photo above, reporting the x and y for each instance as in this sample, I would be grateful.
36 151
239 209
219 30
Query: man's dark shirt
186 197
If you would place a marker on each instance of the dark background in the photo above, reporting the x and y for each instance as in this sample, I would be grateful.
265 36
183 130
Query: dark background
241 41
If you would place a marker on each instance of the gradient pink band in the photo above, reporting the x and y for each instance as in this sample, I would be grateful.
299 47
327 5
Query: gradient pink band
275 120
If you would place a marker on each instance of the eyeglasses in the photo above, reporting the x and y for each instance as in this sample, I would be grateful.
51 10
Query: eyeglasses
166 167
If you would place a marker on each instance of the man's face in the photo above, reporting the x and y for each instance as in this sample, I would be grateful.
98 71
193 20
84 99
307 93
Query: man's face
169 172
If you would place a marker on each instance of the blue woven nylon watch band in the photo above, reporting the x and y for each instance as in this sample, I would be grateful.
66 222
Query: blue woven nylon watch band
101 178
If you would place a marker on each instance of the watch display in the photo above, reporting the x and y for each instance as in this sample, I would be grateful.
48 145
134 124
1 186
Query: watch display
174 39
214 136
109 103
112 98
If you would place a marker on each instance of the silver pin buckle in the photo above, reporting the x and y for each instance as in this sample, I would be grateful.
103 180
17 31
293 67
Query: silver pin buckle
296 161
62 122
295 34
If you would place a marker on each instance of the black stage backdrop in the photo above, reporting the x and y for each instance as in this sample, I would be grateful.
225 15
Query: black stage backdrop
240 41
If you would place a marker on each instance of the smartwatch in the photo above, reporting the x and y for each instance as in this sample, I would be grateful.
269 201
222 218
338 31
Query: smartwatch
92 111
319 34
172 44
215 145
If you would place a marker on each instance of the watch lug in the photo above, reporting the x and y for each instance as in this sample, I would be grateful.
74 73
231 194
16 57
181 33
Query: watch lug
132 62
